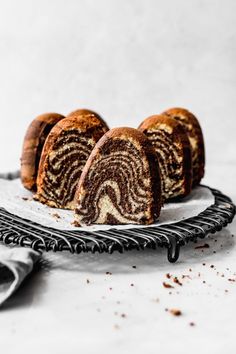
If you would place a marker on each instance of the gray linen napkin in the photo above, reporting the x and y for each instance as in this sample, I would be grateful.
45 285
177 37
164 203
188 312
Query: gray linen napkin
15 264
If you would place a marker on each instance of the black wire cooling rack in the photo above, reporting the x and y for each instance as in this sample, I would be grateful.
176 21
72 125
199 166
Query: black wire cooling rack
17 231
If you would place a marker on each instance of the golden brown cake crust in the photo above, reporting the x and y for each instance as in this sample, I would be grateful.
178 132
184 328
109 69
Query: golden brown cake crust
136 135
178 135
194 131
82 123
34 140
86 112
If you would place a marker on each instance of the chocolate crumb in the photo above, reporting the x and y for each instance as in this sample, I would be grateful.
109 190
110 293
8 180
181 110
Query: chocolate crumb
166 285
108 273
230 279
131 284
176 280
75 223
88 281
212 266
56 215
203 264
206 245
110 288
175 312
190 269
123 315
25 198
134 267
191 324
168 276
186 276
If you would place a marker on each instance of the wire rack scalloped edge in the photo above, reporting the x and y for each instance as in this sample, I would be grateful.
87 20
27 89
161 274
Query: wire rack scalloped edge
25 233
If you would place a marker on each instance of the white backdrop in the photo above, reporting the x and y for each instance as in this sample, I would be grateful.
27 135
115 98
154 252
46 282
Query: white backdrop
125 59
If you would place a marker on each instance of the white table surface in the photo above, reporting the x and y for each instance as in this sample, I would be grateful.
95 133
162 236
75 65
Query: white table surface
127 60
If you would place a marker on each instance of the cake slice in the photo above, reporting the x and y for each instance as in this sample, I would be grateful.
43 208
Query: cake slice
64 155
193 129
120 183
33 144
172 147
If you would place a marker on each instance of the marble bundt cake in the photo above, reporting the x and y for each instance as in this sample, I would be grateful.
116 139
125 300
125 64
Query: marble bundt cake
120 183
195 135
64 155
32 147
172 146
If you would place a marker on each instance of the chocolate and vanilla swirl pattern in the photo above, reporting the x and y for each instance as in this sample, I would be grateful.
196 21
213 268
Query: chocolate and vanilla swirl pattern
194 132
65 154
171 162
172 147
119 184
34 140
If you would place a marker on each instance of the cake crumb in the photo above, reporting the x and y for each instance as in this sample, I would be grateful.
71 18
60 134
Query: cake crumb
25 198
87 281
191 324
205 245
176 280
186 276
168 276
134 266
175 312
56 215
123 315
75 223
116 326
166 285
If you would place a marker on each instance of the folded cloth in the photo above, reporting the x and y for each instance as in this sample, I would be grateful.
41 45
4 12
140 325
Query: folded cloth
10 175
15 264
